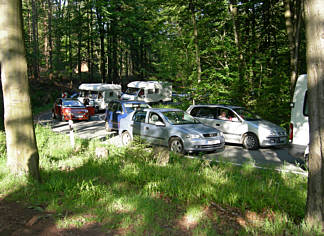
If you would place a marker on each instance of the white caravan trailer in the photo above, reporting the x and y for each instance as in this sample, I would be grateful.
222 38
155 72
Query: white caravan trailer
299 128
99 94
148 91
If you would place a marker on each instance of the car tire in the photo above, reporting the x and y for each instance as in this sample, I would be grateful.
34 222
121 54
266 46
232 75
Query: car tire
126 138
62 118
250 142
176 145
108 129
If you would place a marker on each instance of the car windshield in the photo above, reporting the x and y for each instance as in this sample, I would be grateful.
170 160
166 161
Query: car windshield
179 118
89 94
247 115
132 91
72 104
135 106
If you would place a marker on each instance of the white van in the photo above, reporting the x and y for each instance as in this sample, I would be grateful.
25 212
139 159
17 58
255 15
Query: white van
299 128
99 94
148 91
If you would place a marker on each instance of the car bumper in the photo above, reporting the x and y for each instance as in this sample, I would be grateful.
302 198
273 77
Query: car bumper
77 117
201 145
274 141
297 151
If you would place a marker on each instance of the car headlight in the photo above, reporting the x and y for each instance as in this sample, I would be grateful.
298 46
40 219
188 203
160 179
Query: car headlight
193 136
68 112
273 133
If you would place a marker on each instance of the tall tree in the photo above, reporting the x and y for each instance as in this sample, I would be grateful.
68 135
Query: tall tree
195 35
293 16
35 40
22 153
314 12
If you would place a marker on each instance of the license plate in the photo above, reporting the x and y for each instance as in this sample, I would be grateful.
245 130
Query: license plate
213 142
282 140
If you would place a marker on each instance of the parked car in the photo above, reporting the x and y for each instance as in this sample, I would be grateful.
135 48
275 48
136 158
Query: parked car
173 128
70 109
118 109
240 125
299 124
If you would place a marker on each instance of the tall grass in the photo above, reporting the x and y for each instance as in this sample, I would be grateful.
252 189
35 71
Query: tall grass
130 191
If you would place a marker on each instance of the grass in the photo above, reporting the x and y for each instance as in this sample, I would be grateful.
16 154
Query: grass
130 193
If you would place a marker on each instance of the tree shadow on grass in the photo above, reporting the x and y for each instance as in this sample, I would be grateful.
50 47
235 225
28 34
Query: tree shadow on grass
129 194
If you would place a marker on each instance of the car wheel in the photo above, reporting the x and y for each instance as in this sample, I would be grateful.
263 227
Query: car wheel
108 129
126 138
250 141
176 145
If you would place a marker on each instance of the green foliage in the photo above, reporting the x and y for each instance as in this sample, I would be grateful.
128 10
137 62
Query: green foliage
130 187
246 63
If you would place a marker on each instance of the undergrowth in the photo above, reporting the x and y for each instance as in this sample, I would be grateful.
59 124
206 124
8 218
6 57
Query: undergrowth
131 190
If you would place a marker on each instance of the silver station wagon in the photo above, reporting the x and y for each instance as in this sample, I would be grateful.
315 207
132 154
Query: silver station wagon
173 128
240 126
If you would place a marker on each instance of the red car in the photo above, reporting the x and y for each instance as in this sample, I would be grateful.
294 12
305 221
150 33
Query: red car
70 109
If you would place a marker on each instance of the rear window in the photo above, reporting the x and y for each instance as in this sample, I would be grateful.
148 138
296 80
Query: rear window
72 104
134 106
203 112
139 116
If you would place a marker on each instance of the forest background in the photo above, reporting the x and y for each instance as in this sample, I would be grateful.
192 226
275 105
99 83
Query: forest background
219 51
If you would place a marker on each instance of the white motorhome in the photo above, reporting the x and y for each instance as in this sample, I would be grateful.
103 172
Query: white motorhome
99 94
148 91
299 127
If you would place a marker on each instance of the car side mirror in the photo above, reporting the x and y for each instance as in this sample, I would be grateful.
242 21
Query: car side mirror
160 124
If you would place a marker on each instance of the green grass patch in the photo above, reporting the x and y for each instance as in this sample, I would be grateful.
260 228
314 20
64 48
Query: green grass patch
130 192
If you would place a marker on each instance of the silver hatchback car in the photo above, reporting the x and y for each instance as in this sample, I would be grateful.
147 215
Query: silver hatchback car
240 126
173 128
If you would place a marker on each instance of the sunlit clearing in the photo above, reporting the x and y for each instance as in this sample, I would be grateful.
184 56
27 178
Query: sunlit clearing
192 217
76 221
119 205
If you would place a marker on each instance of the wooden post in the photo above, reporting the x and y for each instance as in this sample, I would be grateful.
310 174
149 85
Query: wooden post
71 133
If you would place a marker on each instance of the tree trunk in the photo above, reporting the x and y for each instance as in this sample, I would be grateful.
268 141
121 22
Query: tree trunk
293 16
102 45
35 41
22 153
50 41
195 33
314 12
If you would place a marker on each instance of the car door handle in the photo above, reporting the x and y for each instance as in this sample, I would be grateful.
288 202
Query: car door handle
217 124
147 128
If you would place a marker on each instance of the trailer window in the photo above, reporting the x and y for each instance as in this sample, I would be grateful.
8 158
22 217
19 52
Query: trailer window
150 91
157 90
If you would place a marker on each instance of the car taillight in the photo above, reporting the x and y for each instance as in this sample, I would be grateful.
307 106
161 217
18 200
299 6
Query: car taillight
291 132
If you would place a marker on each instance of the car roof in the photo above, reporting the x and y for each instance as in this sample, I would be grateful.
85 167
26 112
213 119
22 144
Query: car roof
128 101
69 99
135 102
216 105
162 109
